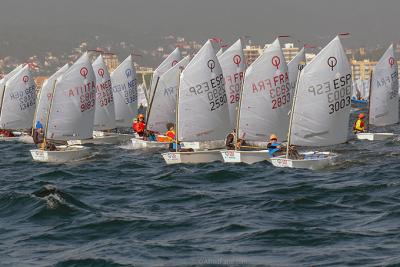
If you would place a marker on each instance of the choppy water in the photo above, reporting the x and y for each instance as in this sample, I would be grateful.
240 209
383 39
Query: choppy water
127 208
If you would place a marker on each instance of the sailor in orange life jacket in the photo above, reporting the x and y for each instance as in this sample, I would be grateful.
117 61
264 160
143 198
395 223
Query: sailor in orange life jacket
359 125
171 132
138 125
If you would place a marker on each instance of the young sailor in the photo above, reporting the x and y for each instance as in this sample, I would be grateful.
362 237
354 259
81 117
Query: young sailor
171 132
230 140
273 146
38 135
359 125
139 125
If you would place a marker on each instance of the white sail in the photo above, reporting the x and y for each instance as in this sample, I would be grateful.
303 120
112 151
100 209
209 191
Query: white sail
220 52
19 101
142 100
169 62
323 101
296 64
5 79
73 104
384 105
233 66
202 105
45 95
104 115
163 106
123 80
365 89
266 96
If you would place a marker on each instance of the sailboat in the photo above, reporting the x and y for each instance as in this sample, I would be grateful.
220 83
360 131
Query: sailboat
264 105
360 93
124 84
162 109
142 99
202 110
104 115
70 113
321 108
45 96
384 98
233 66
169 62
18 103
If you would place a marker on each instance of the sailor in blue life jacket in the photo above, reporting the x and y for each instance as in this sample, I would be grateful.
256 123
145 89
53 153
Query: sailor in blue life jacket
273 146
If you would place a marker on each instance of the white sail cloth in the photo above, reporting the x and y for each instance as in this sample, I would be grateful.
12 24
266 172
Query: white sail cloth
266 97
163 106
169 62
19 101
45 95
384 99
73 104
124 84
202 105
233 66
104 116
323 101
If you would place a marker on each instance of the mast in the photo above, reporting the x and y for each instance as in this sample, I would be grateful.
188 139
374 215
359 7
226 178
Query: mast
369 96
177 112
151 102
2 99
48 112
37 106
292 113
238 111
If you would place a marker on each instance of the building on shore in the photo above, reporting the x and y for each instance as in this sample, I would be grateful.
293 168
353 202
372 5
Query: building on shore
252 52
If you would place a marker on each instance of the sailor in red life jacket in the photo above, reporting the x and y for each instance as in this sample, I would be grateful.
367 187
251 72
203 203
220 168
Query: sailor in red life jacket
171 132
138 125
359 125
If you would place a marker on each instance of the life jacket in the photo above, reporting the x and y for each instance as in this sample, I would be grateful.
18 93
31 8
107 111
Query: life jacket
139 127
170 135
273 149
359 125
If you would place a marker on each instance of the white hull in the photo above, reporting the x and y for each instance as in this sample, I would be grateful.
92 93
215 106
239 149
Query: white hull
141 144
62 155
105 139
312 161
192 157
248 157
27 139
205 145
375 136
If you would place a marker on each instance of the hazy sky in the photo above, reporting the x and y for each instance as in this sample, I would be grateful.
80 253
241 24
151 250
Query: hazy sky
49 23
